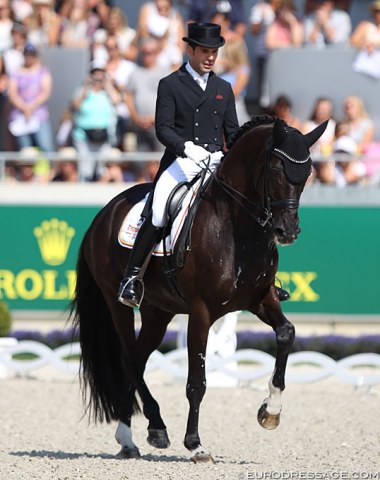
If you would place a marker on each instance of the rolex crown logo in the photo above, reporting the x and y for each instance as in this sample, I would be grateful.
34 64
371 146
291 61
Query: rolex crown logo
54 237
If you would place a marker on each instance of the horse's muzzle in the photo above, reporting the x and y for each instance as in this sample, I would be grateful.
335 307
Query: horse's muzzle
284 237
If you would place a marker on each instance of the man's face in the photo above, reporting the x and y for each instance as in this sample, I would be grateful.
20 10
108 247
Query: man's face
202 59
97 79
149 54
325 5
30 59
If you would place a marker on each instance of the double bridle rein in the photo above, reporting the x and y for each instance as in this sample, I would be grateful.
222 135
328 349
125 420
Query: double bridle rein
261 213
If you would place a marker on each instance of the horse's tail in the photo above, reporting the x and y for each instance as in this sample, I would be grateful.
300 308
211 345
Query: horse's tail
101 372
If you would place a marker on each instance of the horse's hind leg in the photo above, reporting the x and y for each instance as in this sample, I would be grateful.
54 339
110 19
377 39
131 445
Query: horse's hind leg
123 433
135 356
123 319
153 328
270 312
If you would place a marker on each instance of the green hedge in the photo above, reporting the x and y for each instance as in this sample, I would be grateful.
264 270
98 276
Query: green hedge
5 319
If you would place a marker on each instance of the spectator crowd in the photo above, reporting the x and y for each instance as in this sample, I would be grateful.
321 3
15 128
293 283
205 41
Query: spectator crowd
113 110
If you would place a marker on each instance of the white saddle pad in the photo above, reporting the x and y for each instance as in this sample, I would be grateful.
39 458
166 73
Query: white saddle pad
132 222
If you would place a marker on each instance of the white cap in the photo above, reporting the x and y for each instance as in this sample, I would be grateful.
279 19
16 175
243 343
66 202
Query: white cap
29 152
112 155
28 155
345 144
159 29
100 35
97 64
67 153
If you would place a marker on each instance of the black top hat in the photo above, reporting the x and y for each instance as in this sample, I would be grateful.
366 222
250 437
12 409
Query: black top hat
204 34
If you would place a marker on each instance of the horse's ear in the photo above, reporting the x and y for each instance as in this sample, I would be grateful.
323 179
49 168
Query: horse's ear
279 133
313 136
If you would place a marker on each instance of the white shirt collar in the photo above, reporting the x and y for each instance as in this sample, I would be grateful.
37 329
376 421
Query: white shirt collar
200 79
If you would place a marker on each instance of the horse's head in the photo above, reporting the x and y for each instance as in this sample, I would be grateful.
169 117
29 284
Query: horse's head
286 173
265 171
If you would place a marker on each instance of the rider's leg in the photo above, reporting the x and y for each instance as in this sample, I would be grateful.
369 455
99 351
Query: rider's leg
131 288
181 170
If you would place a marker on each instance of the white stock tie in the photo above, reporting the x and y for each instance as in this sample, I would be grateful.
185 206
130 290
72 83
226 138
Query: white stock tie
201 82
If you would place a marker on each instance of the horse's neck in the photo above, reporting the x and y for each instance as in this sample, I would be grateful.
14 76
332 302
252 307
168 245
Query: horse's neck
242 170
236 197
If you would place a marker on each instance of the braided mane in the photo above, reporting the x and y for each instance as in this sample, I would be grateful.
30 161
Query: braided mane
255 121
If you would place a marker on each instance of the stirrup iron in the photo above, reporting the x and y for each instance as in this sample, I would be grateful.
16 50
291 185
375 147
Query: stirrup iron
130 302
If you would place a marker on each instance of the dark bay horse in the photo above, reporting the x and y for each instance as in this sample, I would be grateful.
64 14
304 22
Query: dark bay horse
249 207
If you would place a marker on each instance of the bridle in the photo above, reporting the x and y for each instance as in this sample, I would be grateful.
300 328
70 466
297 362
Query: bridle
261 213
288 202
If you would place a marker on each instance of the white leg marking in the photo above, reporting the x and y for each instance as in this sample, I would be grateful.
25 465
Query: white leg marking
199 450
274 400
123 436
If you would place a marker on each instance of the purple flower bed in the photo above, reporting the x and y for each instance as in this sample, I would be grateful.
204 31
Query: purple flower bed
335 346
56 338
52 339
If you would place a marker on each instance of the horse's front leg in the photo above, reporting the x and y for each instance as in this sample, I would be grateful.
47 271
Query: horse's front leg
197 334
153 328
270 312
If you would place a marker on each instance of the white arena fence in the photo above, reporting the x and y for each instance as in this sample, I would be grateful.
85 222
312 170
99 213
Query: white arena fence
238 368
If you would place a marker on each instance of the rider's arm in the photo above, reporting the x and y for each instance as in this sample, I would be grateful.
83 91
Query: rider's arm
165 120
231 123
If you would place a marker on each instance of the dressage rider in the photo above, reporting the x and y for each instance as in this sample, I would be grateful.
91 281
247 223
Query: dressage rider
195 117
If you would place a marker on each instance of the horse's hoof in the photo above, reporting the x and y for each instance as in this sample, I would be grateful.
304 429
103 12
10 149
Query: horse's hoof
202 457
158 438
127 452
267 420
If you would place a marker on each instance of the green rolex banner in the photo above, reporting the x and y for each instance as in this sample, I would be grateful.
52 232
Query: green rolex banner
332 268
38 252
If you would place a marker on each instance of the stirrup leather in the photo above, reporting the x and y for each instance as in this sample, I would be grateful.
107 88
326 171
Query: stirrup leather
130 302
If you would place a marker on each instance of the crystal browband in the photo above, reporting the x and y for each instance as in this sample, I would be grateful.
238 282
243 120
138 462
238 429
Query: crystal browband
290 158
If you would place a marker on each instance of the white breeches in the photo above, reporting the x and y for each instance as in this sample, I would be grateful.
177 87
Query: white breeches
181 170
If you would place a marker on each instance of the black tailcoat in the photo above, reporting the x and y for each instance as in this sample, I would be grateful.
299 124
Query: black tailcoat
185 112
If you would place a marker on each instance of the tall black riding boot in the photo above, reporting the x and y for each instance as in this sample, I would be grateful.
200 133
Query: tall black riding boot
131 290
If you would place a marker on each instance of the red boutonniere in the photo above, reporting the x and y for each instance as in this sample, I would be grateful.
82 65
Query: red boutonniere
219 97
